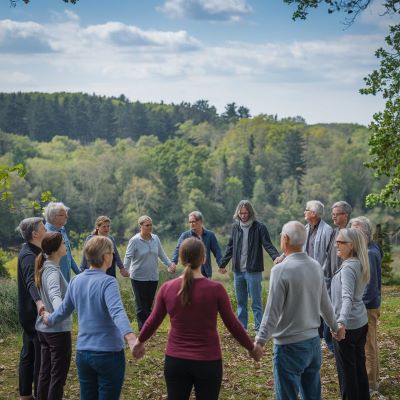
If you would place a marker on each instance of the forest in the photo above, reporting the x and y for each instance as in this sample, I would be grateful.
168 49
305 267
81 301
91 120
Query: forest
123 159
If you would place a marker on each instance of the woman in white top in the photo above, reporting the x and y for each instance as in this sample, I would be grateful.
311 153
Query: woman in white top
141 257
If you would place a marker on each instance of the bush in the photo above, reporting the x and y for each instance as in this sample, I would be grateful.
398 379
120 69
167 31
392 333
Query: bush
8 307
3 270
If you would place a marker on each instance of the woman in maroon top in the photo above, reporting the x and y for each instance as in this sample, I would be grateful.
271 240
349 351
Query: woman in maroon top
193 354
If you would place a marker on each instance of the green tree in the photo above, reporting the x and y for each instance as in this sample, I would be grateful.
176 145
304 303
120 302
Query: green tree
385 139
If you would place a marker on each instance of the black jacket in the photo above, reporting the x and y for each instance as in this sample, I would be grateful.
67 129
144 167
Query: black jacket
27 291
258 238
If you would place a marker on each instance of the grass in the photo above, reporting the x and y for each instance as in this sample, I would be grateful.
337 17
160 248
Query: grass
243 378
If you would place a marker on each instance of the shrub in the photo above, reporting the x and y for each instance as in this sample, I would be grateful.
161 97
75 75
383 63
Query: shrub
3 270
8 307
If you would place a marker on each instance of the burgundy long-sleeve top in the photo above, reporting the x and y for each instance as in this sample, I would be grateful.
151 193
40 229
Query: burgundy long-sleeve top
193 333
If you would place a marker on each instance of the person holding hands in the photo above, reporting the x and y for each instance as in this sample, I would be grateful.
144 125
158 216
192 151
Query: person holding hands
193 302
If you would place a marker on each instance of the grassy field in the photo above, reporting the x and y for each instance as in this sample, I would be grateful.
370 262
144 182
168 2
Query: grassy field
243 378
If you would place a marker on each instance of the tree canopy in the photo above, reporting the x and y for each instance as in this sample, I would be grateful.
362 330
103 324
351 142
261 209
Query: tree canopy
385 133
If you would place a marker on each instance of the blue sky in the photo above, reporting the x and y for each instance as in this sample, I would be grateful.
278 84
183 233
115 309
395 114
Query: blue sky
244 51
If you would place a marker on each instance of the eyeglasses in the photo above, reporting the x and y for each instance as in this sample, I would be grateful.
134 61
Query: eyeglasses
337 214
340 242
193 221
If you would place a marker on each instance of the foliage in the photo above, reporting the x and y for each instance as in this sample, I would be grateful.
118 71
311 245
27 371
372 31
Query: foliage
385 138
382 237
8 307
3 270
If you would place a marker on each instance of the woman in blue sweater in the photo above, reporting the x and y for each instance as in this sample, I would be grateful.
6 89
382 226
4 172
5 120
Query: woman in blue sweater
103 324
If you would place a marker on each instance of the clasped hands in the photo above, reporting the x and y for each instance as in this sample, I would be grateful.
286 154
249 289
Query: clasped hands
340 334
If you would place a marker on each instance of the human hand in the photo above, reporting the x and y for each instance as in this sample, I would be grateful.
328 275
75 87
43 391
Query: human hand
340 334
222 270
124 272
45 317
279 259
172 268
40 307
257 352
138 349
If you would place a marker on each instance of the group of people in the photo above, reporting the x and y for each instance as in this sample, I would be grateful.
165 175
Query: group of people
324 284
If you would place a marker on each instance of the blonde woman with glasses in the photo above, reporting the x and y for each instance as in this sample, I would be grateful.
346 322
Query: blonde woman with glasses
347 289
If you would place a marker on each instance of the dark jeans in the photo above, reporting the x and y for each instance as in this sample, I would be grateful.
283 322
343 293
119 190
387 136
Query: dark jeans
56 358
181 375
350 363
144 292
101 374
29 363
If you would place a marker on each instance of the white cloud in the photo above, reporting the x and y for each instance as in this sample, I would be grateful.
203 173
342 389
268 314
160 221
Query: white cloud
213 10
119 34
23 37
311 78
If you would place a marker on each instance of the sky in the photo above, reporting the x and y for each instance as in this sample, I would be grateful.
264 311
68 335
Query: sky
249 52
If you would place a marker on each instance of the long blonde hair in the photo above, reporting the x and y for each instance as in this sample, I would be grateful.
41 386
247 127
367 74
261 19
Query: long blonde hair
360 250
191 254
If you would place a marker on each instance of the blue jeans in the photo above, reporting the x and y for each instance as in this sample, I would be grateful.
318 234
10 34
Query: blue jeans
248 283
296 368
101 374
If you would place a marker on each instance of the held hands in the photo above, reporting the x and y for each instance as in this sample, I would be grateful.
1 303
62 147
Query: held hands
172 268
45 317
279 259
257 352
340 334
138 349
222 270
40 307
124 272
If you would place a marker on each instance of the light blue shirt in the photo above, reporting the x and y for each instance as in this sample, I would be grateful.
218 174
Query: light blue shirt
67 262
142 256
102 319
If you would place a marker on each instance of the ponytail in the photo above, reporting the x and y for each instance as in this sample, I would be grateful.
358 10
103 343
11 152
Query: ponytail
51 242
187 283
192 255
39 261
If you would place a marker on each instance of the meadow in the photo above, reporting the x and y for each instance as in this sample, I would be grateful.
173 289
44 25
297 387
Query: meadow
243 378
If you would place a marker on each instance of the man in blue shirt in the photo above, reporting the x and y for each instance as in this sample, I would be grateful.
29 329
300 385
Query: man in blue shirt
208 237
56 216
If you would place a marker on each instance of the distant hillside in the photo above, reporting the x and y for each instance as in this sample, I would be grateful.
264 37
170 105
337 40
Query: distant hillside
41 116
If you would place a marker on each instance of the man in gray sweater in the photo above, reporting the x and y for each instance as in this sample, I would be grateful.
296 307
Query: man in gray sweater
297 298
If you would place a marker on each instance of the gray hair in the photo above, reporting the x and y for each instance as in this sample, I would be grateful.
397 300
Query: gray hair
316 206
198 215
52 209
344 206
296 233
365 226
248 206
356 237
27 226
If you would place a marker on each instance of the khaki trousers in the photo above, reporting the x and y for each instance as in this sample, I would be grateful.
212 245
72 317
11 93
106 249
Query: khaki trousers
371 348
